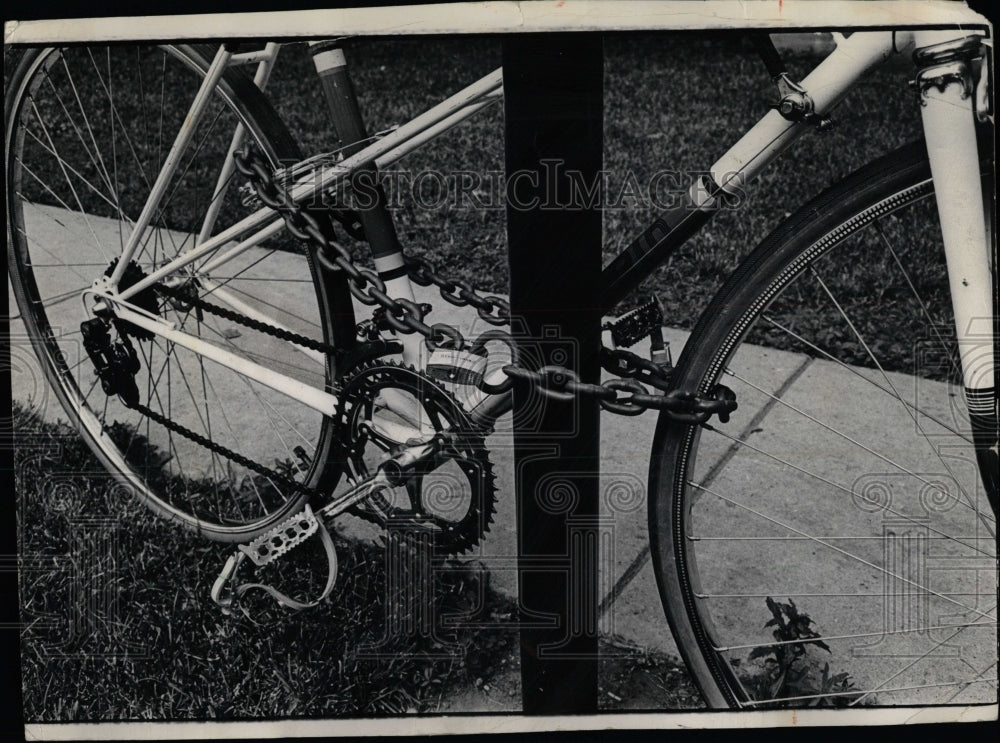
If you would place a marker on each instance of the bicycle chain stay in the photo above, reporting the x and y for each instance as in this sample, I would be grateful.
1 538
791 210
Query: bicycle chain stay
123 348
406 316
117 363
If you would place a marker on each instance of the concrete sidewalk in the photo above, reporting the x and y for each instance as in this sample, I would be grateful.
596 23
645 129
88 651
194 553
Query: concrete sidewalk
630 604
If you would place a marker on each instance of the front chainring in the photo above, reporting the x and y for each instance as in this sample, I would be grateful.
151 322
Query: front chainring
384 407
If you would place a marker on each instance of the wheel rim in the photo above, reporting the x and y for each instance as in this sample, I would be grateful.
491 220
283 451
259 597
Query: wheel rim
73 166
872 575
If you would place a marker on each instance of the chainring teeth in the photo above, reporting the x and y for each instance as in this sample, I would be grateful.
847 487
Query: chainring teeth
357 391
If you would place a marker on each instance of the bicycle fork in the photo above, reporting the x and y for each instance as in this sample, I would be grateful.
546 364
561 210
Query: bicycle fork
948 101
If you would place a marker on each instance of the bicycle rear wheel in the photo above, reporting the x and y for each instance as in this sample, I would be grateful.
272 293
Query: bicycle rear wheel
807 554
87 130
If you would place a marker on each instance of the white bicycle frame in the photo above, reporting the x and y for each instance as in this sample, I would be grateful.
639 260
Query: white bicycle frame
948 117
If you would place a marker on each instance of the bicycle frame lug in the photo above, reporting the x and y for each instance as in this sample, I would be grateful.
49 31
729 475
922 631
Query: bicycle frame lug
795 103
948 51
103 285
941 76
940 65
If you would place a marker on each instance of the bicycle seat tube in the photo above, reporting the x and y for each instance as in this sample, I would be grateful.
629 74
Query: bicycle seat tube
330 62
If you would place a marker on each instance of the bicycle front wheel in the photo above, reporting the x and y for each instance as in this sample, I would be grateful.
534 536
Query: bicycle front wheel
87 132
832 544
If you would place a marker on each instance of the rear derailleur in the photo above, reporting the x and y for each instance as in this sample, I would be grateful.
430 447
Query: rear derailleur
116 362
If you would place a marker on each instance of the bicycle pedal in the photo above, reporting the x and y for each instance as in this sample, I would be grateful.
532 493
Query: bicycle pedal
456 367
287 535
636 324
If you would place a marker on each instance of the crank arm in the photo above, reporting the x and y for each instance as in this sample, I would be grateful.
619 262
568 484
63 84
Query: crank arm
392 473
364 489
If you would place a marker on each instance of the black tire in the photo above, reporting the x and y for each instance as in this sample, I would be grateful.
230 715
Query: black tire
742 527
86 129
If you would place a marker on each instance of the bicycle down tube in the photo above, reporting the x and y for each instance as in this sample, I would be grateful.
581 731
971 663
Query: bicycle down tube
853 57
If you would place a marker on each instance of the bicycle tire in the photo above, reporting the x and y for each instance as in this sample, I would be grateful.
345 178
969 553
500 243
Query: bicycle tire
86 129
738 529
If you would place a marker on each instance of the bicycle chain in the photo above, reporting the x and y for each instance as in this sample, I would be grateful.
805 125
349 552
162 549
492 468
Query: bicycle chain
406 316
222 450
287 335
227 314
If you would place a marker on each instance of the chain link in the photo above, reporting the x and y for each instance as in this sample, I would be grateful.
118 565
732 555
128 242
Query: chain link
195 302
274 475
405 316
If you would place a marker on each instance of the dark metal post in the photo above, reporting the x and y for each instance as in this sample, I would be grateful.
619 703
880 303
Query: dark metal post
553 92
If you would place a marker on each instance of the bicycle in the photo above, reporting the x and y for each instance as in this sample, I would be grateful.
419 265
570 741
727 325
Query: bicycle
193 264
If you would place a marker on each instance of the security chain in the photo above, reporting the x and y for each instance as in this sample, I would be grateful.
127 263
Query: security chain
406 316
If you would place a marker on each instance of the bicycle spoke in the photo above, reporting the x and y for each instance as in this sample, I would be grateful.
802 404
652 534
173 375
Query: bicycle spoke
63 163
838 550
895 393
853 370
178 180
95 155
881 685
863 635
204 394
787 463
155 395
232 433
978 678
861 446
115 116
916 294
91 130
69 181
265 303
846 694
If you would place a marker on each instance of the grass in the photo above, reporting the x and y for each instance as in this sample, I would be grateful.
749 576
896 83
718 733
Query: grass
635 679
118 625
